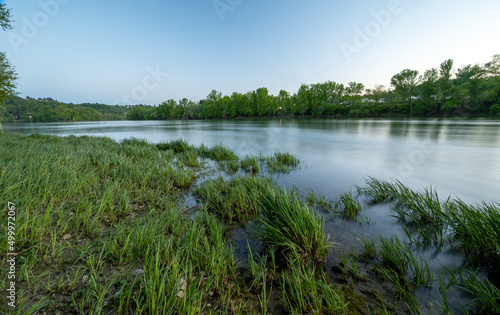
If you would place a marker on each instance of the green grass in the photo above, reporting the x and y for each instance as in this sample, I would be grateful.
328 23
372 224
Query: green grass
281 162
477 226
305 290
320 201
178 146
486 295
218 153
250 164
235 199
90 210
349 205
290 226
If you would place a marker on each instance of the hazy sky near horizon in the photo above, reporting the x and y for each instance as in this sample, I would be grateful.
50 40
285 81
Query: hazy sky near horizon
148 51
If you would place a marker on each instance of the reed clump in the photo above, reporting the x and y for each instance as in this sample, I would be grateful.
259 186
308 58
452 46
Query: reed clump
290 226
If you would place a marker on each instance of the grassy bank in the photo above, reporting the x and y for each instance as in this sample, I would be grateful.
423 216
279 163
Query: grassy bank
102 227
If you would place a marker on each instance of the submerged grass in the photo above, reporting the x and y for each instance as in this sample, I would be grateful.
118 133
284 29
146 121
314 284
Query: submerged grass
250 164
349 206
475 226
281 162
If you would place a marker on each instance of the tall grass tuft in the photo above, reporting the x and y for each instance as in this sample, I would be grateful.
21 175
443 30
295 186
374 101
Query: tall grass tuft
281 162
290 226
178 146
250 164
351 206
478 228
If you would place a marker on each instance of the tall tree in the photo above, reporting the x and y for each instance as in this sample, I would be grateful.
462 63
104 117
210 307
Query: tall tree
428 89
377 92
405 83
493 69
354 91
8 75
445 73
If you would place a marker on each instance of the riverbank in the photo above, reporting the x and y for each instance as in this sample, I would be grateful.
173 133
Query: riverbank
103 226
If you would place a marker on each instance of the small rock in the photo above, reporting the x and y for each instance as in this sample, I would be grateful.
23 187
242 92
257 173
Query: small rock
183 284
180 295
85 278
66 236
71 213
210 293
208 305
137 272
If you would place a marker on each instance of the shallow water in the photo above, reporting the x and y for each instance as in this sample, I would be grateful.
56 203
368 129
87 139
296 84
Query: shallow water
460 157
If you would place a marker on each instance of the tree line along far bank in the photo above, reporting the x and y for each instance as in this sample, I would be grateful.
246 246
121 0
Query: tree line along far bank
441 91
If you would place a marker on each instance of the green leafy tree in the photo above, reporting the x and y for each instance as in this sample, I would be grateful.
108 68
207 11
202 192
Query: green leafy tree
404 83
377 92
264 102
165 109
427 91
353 91
8 75
303 100
283 102
240 104
212 105
493 70
444 82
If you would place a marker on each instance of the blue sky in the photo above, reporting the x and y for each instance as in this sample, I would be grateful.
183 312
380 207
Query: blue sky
148 51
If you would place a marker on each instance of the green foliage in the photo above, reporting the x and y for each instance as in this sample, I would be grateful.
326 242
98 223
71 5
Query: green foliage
8 77
495 109
49 110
